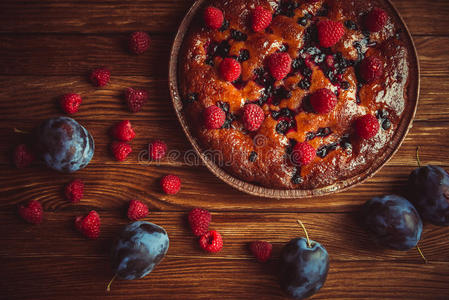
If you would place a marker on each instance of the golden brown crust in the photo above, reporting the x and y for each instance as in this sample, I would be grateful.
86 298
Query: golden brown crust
232 147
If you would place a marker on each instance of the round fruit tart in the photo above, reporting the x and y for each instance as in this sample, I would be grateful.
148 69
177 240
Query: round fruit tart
297 94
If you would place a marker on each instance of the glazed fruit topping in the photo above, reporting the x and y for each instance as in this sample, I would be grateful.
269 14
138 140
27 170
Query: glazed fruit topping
370 69
367 126
287 8
252 116
329 32
302 154
323 101
230 69
375 20
279 65
260 19
213 17
238 35
213 117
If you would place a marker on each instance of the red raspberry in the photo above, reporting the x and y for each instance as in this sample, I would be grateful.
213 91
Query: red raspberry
171 184
199 220
213 117
157 150
32 213
279 64
74 191
367 126
329 32
100 77
252 116
303 154
230 69
375 20
70 103
138 42
211 242
120 150
370 69
89 225
261 250
23 156
213 17
137 210
323 101
135 98
260 19
123 131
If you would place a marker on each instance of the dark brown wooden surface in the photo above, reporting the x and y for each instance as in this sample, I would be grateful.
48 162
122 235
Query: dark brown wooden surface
46 49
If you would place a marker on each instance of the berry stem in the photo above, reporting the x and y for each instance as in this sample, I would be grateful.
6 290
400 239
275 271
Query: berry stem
108 288
305 231
417 157
422 255
16 130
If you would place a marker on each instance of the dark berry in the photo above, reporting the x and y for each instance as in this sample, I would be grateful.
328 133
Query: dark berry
304 84
344 85
238 35
386 124
253 156
192 97
225 25
350 25
243 55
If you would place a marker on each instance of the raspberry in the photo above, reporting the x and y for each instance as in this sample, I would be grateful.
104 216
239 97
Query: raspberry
375 20
213 117
32 213
213 17
171 184
303 154
100 77
252 116
367 126
89 225
261 250
323 101
157 150
230 69
211 241
137 210
23 156
135 98
199 220
120 150
74 191
329 32
370 69
279 64
123 131
138 42
70 103
260 19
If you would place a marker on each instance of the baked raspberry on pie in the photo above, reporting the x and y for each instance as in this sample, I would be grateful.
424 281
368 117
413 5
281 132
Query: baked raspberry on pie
311 92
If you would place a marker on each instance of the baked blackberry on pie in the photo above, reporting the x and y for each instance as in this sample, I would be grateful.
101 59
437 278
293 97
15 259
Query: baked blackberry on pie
296 94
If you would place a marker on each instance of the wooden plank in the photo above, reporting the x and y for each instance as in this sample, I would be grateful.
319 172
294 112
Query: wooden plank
161 16
86 278
432 137
110 186
350 242
73 54
38 98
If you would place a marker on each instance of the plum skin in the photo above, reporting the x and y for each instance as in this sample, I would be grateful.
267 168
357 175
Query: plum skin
64 144
428 189
303 270
139 248
393 220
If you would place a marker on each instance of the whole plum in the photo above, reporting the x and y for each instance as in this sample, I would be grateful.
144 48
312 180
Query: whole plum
139 248
428 189
64 144
303 268
393 220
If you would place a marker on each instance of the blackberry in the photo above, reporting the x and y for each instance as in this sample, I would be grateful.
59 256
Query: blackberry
243 55
238 35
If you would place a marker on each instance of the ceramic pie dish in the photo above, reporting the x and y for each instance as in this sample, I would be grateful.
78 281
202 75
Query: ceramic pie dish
261 161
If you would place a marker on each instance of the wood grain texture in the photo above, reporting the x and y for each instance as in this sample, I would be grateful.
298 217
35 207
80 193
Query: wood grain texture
48 47
39 98
162 16
74 54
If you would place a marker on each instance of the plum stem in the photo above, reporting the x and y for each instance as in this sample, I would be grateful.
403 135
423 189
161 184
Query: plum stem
16 130
422 255
417 157
305 231
108 288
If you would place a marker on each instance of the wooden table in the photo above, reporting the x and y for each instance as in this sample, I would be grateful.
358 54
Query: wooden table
47 48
